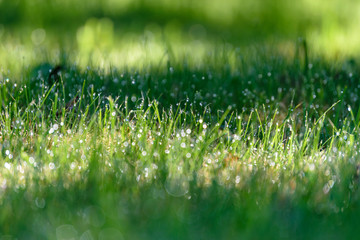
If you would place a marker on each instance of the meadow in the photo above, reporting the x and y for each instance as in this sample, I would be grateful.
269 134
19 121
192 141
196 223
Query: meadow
154 132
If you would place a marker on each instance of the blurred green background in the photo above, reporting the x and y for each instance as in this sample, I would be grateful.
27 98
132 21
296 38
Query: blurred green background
136 32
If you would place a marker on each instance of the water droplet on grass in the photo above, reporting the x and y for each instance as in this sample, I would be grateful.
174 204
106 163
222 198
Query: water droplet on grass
7 165
311 167
51 165
237 179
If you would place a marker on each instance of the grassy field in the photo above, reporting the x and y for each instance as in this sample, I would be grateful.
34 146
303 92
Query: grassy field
121 129
181 152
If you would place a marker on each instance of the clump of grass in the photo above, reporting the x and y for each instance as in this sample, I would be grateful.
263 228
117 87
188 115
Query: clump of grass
173 151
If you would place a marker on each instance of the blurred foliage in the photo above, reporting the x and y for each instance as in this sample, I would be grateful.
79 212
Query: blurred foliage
234 19
126 32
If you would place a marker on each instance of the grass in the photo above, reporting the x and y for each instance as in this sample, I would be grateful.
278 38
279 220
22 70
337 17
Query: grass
255 148
179 120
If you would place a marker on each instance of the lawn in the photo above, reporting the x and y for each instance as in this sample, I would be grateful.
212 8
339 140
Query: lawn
122 129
